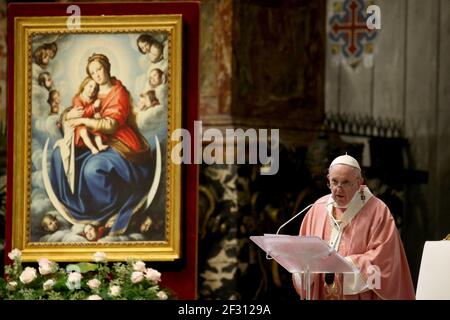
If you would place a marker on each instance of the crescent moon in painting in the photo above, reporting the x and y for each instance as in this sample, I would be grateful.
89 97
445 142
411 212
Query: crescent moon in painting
148 198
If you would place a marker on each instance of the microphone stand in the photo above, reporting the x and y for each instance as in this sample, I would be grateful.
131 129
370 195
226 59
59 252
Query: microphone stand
304 279
295 216
268 257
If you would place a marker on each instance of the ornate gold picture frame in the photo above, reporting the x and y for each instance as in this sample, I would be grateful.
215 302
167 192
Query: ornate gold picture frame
94 108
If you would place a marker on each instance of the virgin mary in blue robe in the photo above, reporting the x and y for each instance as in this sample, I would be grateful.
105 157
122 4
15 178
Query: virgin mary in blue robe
112 184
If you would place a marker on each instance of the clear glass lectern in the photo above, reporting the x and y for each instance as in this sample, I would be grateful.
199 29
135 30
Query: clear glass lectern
303 256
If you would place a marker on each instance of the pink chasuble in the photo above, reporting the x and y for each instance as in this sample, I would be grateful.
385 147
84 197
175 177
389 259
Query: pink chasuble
371 241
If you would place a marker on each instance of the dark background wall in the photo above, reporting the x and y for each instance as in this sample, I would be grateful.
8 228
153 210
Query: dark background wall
272 64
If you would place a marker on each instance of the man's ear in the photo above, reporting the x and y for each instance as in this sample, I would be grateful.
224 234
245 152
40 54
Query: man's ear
361 181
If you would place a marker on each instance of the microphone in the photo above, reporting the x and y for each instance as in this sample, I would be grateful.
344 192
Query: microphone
268 257
307 207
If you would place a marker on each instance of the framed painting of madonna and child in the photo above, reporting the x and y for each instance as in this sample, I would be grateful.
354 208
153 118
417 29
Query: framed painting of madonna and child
94 107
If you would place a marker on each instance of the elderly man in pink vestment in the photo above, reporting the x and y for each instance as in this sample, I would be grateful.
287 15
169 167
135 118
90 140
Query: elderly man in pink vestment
361 228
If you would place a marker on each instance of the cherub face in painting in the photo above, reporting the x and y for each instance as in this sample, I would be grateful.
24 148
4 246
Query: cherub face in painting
46 56
155 78
55 102
55 109
50 224
144 46
57 98
48 82
89 232
89 90
146 224
155 54
51 53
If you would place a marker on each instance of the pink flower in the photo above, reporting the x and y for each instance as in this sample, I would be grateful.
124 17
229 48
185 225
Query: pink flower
137 277
152 275
139 266
28 275
162 295
114 291
94 284
15 254
48 285
12 285
45 266
94 297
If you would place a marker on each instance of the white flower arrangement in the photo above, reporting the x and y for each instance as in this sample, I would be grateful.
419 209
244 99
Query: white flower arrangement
82 281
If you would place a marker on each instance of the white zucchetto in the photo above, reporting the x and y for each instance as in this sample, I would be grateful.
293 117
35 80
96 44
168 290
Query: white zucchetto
346 159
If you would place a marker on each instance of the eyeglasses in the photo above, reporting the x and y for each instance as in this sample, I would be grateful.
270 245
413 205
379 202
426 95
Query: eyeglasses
345 184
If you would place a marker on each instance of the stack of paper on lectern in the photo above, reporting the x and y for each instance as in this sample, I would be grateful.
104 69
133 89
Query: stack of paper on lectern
300 254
